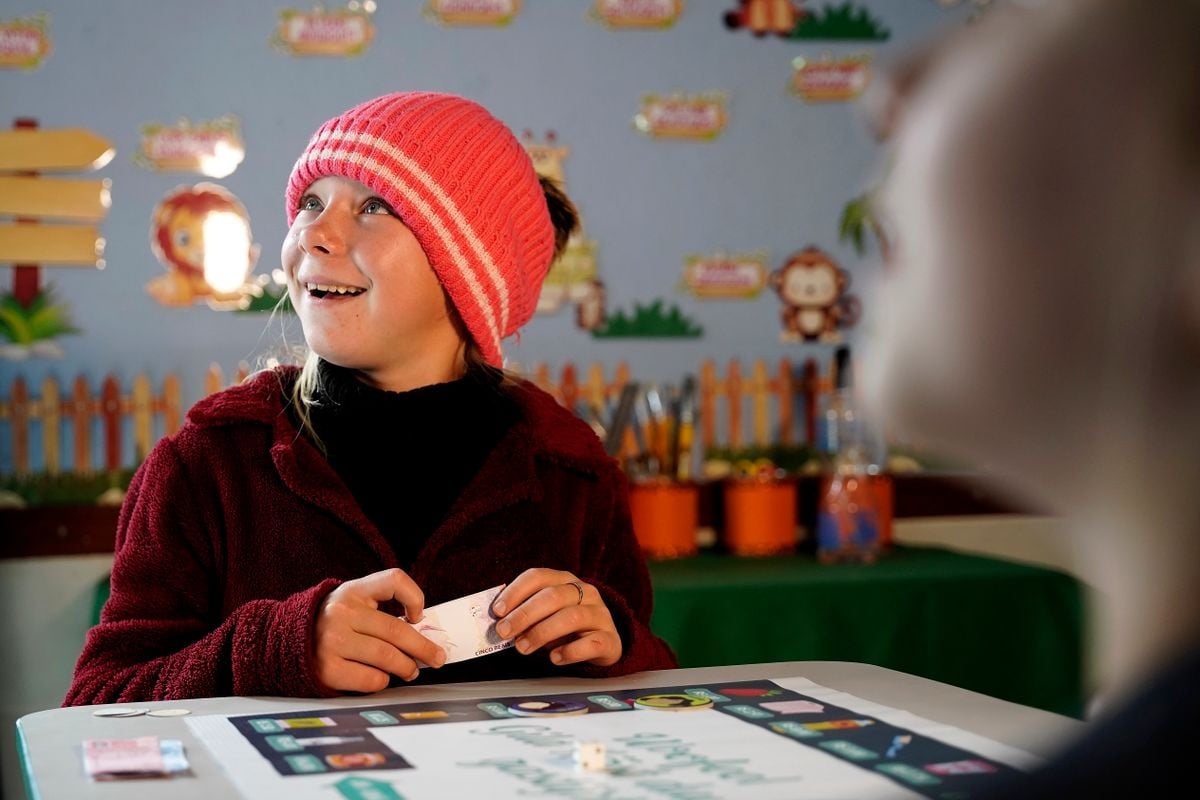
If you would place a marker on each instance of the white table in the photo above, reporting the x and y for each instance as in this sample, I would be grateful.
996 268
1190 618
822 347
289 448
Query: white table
49 741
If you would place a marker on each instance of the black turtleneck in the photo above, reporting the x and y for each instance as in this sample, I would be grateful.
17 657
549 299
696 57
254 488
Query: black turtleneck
407 456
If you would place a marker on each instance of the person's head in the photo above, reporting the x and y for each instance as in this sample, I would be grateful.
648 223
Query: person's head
419 238
1043 313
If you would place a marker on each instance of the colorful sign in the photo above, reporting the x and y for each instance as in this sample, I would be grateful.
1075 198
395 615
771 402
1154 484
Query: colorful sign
478 13
571 276
830 80
344 32
701 116
638 13
547 155
212 148
24 42
721 276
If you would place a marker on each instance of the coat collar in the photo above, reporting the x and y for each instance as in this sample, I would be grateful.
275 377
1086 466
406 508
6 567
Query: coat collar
545 433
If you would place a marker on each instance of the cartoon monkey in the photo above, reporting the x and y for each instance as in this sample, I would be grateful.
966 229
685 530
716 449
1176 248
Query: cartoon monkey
813 290
766 16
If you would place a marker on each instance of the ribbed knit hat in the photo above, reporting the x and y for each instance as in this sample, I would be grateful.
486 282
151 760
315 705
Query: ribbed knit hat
465 187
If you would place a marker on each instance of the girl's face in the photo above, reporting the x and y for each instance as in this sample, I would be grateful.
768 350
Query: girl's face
362 286
1031 185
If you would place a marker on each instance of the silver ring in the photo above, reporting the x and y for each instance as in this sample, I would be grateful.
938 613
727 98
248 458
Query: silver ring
579 588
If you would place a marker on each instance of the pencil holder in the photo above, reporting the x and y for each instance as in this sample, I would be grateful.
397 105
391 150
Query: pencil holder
760 516
885 500
665 516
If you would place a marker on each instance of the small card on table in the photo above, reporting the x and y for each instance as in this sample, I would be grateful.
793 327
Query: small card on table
143 757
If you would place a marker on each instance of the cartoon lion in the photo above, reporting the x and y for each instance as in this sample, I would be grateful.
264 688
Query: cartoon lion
201 234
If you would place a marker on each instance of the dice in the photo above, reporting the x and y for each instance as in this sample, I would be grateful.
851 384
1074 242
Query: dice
589 757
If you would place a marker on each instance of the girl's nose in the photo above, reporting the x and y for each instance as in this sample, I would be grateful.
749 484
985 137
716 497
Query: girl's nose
322 236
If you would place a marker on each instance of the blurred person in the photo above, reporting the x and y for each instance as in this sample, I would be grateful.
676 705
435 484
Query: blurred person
1041 314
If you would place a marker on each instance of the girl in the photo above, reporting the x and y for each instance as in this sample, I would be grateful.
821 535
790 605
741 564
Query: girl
270 546
1044 317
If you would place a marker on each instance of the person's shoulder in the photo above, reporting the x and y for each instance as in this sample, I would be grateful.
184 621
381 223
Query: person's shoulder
259 399
556 433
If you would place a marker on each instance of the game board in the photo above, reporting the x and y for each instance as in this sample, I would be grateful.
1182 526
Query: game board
783 738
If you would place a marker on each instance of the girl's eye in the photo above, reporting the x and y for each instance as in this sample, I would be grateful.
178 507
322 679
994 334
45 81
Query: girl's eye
376 206
309 203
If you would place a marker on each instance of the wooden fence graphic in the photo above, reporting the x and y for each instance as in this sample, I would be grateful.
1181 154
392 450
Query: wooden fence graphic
762 406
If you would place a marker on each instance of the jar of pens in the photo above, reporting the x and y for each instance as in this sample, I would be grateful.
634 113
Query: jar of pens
664 501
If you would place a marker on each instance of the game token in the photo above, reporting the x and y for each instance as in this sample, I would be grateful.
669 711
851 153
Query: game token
168 712
557 708
673 702
118 711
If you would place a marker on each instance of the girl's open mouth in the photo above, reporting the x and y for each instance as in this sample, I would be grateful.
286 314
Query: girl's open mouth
319 290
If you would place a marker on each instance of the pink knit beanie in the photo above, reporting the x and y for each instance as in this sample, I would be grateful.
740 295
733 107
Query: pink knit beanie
464 185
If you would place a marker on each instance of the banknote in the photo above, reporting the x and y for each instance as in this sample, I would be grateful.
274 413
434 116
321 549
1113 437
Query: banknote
464 628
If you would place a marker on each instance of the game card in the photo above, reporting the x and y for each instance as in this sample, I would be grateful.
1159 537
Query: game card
464 628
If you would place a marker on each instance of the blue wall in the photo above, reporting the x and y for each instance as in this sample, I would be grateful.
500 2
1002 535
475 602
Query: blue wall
776 179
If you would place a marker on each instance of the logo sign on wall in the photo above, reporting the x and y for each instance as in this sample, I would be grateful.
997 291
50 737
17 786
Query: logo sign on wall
341 32
212 148
478 13
723 277
637 13
679 116
830 80
24 42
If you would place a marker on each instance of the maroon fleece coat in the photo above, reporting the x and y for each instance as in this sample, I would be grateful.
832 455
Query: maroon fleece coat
236 528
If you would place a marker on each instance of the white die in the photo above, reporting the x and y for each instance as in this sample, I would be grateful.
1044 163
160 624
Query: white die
589 756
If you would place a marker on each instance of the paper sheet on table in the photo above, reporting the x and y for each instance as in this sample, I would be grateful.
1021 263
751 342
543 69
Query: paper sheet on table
469 747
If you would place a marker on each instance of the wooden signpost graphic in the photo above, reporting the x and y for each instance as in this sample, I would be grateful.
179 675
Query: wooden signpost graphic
28 199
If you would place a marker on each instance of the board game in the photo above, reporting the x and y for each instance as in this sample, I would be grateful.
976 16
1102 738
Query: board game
783 738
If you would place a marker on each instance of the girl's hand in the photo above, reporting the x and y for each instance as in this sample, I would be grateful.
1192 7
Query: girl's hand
550 608
360 647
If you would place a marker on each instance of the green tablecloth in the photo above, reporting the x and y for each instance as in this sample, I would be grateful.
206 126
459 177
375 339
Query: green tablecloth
1009 630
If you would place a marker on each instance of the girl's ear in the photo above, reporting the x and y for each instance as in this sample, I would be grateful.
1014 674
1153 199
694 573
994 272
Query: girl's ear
563 215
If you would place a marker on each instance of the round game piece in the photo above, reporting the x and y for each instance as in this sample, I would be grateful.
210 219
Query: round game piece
552 708
673 702
168 712
118 711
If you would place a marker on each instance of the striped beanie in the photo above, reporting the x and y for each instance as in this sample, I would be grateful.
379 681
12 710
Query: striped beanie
465 187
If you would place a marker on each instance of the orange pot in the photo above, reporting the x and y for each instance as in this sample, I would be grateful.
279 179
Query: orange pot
665 518
760 517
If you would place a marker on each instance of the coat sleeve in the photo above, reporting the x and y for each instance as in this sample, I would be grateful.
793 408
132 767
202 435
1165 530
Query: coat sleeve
618 571
163 634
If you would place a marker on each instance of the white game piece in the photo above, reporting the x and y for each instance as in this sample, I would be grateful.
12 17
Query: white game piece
119 711
589 756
